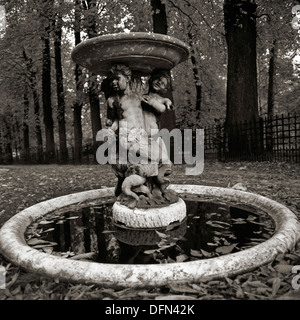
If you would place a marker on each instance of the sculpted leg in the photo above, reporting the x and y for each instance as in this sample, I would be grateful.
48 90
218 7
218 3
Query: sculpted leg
130 182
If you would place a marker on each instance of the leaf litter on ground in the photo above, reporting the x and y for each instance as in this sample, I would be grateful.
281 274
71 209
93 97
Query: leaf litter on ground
261 178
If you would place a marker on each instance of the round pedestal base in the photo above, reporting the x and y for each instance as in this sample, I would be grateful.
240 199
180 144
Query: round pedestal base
149 218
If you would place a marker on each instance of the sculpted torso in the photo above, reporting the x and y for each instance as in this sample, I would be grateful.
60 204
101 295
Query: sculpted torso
132 113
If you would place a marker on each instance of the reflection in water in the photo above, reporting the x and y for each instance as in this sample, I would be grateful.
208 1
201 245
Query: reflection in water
211 229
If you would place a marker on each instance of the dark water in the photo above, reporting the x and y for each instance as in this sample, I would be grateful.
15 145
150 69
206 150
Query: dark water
210 230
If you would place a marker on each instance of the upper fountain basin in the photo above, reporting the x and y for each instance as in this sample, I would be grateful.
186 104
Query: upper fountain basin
141 51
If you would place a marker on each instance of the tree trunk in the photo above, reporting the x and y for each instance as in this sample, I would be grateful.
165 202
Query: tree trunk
60 93
272 71
7 142
271 98
46 84
160 25
47 106
26 144
242 98
1 146
93 90
17 138
195 74
77 108
38 129
95 110
77 105
36 102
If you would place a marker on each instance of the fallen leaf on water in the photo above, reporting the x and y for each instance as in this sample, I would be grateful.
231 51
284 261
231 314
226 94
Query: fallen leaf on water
35 241
42 246
43 222
151 251
212 244
71 218
48 250
161 235
48 230
196 253
226 249
87 255
214 224
206 254
239 221
223 223
181 258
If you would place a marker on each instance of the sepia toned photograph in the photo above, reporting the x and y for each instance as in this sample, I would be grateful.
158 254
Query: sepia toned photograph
150 153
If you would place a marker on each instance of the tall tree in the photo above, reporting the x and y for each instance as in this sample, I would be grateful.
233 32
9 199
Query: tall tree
160 25
26 140
7 136
47 21
195 73
78 103
93 90
199 83
60 90
242 101
32 83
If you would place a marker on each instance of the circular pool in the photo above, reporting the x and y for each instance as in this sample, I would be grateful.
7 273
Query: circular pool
14 247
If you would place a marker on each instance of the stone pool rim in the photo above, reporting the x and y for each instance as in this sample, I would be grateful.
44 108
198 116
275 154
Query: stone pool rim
15 249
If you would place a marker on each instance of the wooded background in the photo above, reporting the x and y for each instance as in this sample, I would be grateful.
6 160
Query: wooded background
244 66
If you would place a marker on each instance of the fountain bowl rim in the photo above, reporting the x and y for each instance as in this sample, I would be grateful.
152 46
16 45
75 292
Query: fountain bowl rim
14 248
98 54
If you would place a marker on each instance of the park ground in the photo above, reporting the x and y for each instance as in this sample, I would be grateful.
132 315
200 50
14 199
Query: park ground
23 186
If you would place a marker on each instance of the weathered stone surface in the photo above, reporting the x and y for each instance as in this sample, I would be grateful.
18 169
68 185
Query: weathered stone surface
149 237
141 51
149 218
158 200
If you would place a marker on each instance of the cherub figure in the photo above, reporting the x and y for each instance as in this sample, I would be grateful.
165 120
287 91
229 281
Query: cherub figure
159 83
125 118
153 106
136 127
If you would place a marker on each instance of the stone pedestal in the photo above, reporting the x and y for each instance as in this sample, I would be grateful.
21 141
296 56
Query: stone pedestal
149 218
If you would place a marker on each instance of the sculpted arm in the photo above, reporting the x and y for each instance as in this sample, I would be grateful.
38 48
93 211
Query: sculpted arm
158 103
112 119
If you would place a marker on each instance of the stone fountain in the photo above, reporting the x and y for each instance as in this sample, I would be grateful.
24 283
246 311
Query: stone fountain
134 105
144 197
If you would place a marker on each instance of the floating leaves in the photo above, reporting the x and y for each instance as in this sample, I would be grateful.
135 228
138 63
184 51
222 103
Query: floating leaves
226 249
215 224
182 258
161 235
238 221
83 256
43 222
196 253
39 243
